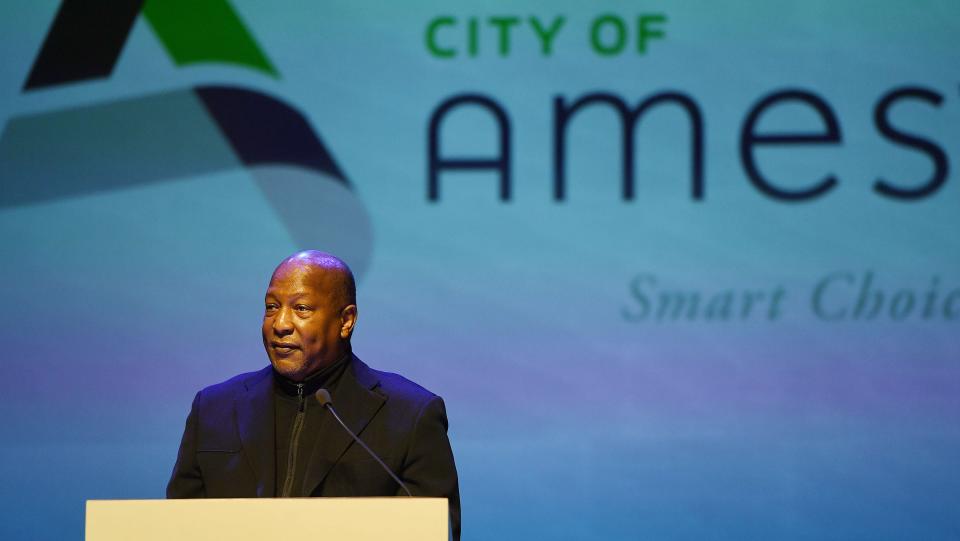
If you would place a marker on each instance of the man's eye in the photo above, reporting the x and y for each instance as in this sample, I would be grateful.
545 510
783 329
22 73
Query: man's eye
271 307
302 308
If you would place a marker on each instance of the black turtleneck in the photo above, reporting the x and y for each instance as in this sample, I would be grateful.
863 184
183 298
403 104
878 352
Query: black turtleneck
297 423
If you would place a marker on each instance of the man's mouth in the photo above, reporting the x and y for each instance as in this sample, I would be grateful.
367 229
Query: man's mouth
283 348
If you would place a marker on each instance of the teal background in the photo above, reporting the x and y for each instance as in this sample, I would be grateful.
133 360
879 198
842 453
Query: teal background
568 420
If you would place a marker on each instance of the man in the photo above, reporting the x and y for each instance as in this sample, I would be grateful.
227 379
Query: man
263 434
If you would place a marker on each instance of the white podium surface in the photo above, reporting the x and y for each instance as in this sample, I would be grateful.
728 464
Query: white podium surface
265 519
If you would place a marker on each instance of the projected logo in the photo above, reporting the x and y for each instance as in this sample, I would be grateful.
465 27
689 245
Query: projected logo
180 133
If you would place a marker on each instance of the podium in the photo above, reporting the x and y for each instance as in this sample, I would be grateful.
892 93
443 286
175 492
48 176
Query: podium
265 519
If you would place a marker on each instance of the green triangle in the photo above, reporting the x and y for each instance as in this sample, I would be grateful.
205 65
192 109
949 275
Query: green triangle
194 31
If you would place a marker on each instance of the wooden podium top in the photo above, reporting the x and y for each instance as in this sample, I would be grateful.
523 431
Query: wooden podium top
264 519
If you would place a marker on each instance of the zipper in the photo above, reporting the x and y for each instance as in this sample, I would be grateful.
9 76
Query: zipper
294 444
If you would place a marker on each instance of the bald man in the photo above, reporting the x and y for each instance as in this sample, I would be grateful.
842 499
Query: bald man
262 434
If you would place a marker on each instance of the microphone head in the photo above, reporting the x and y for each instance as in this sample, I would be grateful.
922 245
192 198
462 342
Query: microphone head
323 397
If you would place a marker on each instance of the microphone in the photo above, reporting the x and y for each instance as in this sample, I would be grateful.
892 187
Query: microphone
323 397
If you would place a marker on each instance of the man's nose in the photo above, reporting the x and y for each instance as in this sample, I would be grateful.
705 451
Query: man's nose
282 325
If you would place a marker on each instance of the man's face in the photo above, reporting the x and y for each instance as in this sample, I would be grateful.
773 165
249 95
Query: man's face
304 329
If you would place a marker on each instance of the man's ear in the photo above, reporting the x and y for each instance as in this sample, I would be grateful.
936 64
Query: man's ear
348 318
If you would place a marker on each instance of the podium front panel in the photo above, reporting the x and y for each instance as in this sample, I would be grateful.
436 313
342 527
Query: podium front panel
263 519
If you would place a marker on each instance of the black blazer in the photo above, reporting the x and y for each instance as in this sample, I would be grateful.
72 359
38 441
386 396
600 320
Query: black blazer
228 449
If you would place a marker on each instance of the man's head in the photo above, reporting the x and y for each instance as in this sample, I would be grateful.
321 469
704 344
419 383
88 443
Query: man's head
309 312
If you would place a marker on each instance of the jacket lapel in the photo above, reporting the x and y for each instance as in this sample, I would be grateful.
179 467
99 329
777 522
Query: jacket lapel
356 403
255 423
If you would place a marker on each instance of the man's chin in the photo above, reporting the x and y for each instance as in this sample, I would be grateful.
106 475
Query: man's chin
290 368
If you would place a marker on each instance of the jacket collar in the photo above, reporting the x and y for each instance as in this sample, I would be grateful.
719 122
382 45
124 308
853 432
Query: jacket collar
255 423
356 400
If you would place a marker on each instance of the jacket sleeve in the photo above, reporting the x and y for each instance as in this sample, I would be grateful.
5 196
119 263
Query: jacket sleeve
429 469
186 480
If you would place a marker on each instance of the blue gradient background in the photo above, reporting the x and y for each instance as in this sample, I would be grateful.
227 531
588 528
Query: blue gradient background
568 421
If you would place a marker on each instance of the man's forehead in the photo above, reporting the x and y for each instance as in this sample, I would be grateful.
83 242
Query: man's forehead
303 276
